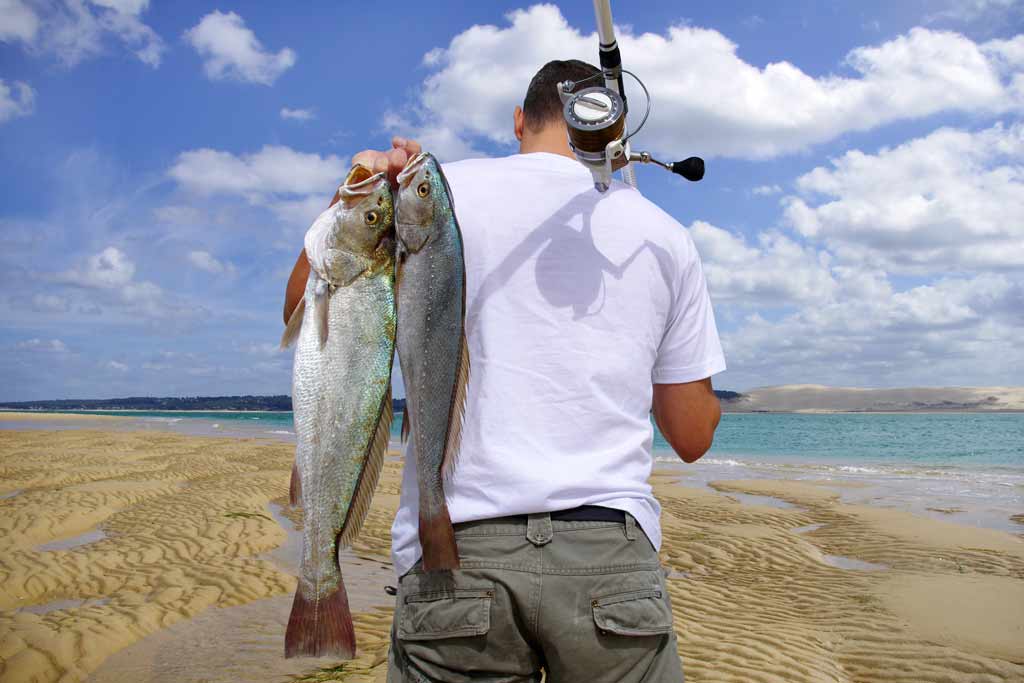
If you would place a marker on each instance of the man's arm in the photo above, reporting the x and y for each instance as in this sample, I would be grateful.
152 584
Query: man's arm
390 162
687 415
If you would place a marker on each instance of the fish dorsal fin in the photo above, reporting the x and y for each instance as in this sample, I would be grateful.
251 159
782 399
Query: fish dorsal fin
372 466
458 410
294 326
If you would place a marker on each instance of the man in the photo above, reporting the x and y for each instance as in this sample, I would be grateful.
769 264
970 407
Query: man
584 311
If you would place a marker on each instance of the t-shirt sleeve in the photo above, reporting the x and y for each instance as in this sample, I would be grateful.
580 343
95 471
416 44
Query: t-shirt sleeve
690 349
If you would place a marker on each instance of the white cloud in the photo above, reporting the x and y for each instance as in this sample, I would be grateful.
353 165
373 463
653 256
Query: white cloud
730 107
18 21
953 200
967 11
272 170
294 185
108 269
19 101
297 114
204 260
42 345
230 50
777 272
76 30
954 331
766 190
116 366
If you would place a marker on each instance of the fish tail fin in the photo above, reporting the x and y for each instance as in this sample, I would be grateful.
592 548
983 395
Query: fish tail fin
368 478
458 410
294 326
295 486
322 627
437 537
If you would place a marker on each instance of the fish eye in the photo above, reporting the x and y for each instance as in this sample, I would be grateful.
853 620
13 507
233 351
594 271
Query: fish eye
423 189
372 217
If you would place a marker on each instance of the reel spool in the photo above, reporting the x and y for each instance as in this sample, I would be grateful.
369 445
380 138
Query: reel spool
596 121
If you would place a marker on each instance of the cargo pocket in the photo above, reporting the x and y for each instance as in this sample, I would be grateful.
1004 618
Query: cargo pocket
446 614
643 612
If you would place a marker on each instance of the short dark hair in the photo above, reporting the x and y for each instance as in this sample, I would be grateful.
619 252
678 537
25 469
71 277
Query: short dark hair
542 104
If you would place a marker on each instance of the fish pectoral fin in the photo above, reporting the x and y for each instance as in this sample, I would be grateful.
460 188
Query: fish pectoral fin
367 484
344 266
294 326
321 309
458 410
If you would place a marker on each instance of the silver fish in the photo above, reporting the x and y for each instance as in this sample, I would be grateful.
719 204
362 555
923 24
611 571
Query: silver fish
341 395
432 343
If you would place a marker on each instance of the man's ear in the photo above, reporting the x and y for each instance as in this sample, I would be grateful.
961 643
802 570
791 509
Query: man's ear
518 122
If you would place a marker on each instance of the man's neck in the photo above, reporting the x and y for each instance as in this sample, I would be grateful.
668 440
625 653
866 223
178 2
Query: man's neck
552 139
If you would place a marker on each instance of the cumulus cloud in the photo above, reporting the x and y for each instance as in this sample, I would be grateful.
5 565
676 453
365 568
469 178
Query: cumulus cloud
709 101
18 21
953 200
290 183
204 260
17 99
230 50
76 30
775 272
105 270
108 277
954 331
297 114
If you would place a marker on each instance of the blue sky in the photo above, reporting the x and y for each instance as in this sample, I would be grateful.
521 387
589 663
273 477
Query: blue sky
861 223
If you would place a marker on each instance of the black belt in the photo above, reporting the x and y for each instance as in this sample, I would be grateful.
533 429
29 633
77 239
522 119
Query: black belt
584 513
590 513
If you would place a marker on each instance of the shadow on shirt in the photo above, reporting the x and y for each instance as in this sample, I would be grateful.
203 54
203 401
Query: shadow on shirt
570 269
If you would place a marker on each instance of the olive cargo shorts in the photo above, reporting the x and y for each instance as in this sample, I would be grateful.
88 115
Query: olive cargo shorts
585 601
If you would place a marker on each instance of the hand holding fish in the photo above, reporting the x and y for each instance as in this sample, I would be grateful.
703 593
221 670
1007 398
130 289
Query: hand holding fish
392 161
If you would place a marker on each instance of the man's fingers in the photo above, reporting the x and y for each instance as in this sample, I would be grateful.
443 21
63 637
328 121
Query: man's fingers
396 162
411 147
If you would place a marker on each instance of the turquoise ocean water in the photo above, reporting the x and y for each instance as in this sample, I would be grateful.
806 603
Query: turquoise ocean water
940 439
968 465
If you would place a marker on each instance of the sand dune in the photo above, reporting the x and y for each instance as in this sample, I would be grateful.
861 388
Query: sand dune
184 573
817 398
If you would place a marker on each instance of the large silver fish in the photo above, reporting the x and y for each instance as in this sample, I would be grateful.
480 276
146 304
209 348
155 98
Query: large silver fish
432 343
341 395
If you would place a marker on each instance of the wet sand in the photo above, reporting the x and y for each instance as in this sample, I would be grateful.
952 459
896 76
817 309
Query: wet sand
149 556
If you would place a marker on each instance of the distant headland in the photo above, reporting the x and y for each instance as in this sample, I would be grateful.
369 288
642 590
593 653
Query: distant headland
790 398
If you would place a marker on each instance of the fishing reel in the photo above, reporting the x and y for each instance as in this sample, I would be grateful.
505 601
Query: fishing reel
596 120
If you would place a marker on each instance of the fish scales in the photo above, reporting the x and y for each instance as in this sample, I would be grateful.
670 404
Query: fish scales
431 343
342 406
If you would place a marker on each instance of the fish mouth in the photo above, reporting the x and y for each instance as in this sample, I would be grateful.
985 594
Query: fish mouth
406 175
360 182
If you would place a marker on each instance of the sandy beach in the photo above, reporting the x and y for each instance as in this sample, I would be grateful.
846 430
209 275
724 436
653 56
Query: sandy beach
155 556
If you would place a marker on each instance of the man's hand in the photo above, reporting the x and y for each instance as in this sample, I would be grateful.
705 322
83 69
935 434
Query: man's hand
390 162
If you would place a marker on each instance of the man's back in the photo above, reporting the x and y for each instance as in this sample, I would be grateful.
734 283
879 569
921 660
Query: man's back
576 302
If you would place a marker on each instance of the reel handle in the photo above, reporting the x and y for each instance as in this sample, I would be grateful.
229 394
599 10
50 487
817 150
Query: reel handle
692 169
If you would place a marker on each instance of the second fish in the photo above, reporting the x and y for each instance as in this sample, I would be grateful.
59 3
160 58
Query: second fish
431 343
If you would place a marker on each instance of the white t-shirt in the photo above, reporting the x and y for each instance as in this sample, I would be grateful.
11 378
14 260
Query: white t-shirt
576 303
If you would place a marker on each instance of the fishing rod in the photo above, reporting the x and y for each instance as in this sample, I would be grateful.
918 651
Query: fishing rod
596 116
